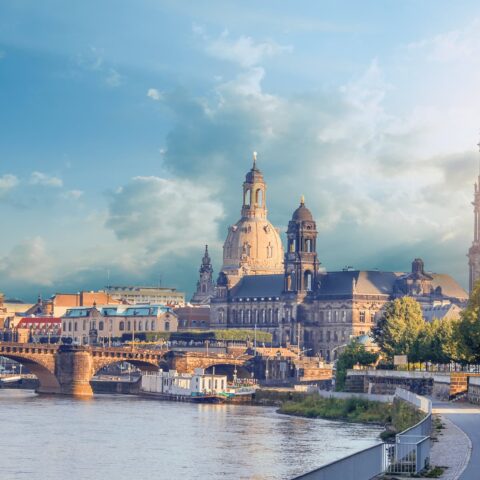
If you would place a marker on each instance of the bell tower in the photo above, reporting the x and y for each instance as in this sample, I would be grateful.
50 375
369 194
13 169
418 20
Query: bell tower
254 193
205 285
474 251
301 261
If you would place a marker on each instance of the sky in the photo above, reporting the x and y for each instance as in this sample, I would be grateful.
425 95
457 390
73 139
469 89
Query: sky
126 130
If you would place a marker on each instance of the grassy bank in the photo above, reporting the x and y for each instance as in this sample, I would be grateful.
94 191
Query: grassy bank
396 416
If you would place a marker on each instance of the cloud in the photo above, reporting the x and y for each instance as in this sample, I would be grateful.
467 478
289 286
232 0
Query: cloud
72 194
45 180
243 51
93 60
28 262
164 216
113 78
7 183
154 94
461 44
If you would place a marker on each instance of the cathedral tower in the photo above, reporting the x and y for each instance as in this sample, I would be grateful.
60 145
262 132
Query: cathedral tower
301 261
474 251
253 245
205 285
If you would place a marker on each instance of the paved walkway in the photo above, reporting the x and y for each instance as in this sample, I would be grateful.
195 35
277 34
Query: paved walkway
464 448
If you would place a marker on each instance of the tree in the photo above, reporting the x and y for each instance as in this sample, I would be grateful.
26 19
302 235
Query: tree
469 329
355 352
398 330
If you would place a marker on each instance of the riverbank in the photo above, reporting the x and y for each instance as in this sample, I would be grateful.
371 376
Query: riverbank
395 417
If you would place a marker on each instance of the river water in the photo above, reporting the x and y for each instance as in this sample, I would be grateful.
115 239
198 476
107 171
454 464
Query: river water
127 437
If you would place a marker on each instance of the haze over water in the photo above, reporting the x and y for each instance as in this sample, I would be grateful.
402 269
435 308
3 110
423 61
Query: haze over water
126 437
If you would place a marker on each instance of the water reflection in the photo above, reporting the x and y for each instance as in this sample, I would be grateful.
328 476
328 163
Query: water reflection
121 437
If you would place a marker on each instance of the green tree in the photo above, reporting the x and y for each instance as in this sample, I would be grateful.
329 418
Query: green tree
469 329
355 352
398 330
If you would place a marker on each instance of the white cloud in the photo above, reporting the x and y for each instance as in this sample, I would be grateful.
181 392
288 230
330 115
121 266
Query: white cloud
45 180
28 262
7 183
461 44
243 51
163 216
72 194
113 78
154 94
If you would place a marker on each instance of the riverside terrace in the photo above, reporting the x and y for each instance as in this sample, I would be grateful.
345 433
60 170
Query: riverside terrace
68 369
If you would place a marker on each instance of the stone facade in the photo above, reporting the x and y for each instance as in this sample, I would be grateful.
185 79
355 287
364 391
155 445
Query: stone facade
474 251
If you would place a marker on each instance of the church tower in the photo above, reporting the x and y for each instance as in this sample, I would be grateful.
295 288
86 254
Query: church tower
253 245
474 251
205 285
301 261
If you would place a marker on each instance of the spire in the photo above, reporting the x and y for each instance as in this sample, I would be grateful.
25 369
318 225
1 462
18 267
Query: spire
302 200
206 257
254 161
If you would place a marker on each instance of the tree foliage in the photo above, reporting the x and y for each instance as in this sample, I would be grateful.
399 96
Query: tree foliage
398 330
355 352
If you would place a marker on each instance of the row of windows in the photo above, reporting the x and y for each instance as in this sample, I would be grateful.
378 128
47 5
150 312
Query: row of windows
254 316
341 316
141 326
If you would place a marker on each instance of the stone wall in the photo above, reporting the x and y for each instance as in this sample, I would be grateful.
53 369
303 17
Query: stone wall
473 394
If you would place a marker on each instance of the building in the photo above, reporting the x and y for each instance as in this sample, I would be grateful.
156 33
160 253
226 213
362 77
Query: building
143 295
86 325
59 303
205 285
299 304
41 329
193 317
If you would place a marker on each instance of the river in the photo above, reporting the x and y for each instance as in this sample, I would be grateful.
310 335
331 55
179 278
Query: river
127 437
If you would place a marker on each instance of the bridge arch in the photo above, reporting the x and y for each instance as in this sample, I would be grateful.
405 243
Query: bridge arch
45 373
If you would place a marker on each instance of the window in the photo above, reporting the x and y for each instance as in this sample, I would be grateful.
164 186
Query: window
122 326
75 327
167 326
140 325
328 335
129 325
344 315
308 245
335 315
247 198
372 317
69 326
320 336
308 281
84 325
291 245
362 316
153 326
100 325
329 315
269 250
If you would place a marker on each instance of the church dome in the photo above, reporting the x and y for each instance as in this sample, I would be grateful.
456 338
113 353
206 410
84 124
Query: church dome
254 246
302 213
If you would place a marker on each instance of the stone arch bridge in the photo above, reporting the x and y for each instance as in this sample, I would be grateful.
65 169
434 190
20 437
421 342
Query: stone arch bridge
68 369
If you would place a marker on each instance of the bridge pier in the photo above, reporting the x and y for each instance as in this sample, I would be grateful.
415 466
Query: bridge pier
74 370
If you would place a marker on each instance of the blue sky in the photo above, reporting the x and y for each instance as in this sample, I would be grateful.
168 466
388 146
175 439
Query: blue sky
127 128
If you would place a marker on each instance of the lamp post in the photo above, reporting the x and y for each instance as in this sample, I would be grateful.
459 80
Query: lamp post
235 369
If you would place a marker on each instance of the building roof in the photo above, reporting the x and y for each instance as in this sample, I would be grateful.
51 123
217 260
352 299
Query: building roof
302 213
445 311
258 286
26 321
119 311
363 282
449 286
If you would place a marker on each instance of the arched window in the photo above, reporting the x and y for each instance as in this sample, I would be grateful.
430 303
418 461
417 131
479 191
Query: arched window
122 326
84 325
129 325
146 325
75 327
269 315
249 316
269 250
291 245
259 197
167 326
140 325
308 245
242 313
100 325
247 198
220 316
262 315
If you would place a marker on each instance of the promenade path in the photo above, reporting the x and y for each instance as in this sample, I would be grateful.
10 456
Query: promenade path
467 418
